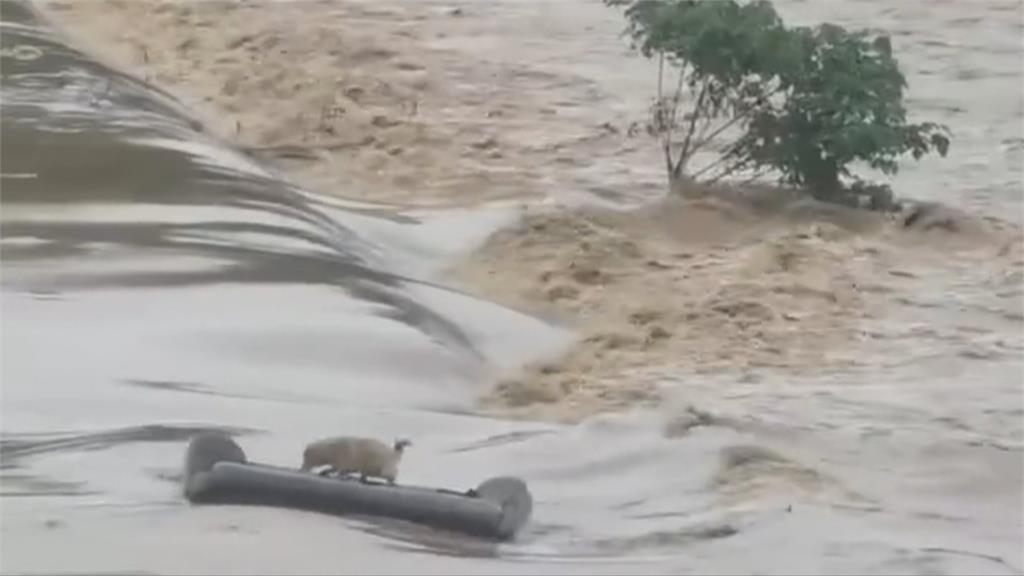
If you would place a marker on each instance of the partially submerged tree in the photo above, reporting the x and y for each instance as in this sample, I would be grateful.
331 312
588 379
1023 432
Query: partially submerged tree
804 103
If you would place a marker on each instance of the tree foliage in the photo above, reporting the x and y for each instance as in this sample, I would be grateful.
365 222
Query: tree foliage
805 103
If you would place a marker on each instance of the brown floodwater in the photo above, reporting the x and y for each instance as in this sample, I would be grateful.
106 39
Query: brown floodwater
156 282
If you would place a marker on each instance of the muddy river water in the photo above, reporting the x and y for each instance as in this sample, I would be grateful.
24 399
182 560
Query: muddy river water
156 282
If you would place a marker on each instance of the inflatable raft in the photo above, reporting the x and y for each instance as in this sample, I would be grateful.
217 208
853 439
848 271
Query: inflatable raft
217 472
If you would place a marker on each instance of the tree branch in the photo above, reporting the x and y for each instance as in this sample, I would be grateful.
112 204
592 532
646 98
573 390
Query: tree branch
661 72
725 157
732 121
705 125
666 137
678 94
757 175
666 144
738 165
670 122
697 111
714 133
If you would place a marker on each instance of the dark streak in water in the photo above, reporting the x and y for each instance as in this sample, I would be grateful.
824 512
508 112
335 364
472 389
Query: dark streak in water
408 537
22 485
502 439
16 446
969 554
669 539
187 387
202 389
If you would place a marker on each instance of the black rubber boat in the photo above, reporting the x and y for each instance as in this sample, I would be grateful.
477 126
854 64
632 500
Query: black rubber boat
217 472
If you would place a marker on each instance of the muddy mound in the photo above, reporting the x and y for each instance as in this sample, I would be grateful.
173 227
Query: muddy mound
785 298
707 286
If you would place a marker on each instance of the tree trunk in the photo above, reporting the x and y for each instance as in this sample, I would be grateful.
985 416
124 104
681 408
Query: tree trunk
822 180
683 186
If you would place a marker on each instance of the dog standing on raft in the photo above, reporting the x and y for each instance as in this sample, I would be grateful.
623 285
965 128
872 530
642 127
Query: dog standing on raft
344 455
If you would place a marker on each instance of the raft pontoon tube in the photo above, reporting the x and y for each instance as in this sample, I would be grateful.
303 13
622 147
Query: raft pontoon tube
217 472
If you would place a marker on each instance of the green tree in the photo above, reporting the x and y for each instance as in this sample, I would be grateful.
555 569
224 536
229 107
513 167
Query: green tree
803 103
844 104
716 50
